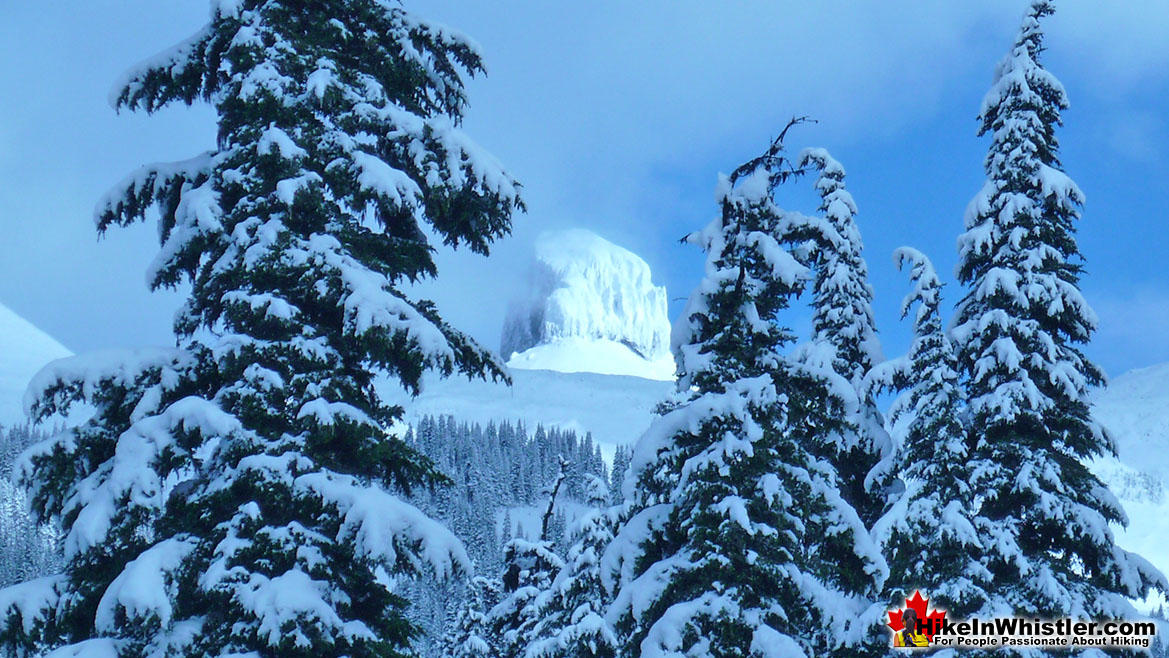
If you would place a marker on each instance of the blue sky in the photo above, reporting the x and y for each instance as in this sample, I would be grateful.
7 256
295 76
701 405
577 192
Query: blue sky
617 116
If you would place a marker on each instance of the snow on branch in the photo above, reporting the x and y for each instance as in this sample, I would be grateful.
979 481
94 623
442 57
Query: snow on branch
143 590
132 476
28 603
62 383
154 183
140 86
386 529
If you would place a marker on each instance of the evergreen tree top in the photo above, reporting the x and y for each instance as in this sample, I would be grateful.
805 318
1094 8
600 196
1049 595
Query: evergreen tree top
337 139
926 291
728 330
1019 255
842 319
935 441
1020 74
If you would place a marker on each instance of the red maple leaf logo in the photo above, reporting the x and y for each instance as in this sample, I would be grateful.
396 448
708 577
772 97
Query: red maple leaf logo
920 606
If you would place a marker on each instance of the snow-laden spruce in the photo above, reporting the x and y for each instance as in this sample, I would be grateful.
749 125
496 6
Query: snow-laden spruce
737 540
471 636
1019 330
530 566
844 335
572 611
842 309
930 536
230 495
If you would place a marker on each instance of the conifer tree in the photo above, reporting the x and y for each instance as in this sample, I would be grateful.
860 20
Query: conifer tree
229 494
471 636
508 525
573 623
621 455
842 313
529 569
735 522
1019 332
931 536
844 334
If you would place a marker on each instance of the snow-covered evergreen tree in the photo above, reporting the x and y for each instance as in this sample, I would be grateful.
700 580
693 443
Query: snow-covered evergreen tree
508 526
228 496
529 569
621 456
1020 328
740 543
842 313
844 335
471 636
27 549
573 623
930 536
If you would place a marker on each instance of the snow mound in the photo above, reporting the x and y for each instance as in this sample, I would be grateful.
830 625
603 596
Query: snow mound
590 306
24 350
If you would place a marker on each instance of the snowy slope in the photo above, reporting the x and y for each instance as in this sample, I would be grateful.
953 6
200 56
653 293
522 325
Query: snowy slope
24 349
1135 409
616 409
589 306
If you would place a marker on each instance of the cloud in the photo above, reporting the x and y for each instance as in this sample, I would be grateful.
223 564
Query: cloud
1137 135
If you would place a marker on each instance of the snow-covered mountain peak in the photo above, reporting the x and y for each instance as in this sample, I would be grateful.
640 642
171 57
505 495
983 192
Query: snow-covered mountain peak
24 350
589 306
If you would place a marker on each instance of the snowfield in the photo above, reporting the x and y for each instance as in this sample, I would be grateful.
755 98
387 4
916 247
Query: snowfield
601 356
615 409
1135 409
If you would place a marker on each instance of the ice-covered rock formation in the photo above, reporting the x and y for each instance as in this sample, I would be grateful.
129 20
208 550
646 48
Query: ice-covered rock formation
24 350
590 306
